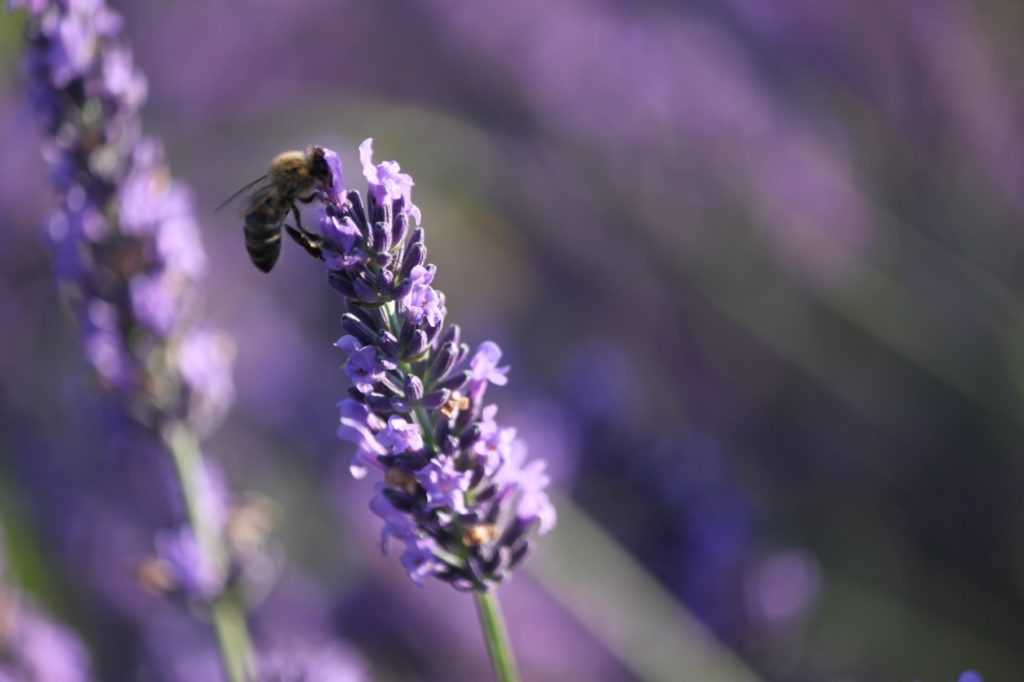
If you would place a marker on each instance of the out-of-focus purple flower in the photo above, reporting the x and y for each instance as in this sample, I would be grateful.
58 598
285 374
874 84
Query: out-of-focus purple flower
205 357
191 571
34 648
310 662
103 344
129 248
153 303
495 442
970 676
128 254
457 489
47 651
71 55
783 586
33 6
419 559
120 77
358 426
396 524
526 481
386 181
300 652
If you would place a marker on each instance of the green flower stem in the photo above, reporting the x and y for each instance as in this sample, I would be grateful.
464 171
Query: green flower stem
496 637
227 613
233 637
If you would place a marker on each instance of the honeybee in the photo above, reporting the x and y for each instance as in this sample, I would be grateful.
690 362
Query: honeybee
293 176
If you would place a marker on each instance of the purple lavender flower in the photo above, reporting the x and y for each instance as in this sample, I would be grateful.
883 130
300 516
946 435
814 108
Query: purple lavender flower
128 247
445 485
457 490
358 425
400 436
525 483
484 368
128 255
423 302
344 236
386 181
495 442
397 524
364 368
39 649
190 570
419 559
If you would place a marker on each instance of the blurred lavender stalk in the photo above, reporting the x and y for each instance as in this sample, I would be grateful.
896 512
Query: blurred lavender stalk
456 488
628 609
128 255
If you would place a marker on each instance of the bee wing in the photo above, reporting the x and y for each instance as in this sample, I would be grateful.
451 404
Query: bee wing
253 188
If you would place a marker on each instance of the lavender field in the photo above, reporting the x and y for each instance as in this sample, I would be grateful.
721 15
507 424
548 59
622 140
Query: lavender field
691 333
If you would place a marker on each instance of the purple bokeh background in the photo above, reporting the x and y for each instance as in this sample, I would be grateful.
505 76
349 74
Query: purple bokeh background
756 267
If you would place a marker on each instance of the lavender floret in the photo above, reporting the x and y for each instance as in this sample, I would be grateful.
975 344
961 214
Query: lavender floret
189 570
457 490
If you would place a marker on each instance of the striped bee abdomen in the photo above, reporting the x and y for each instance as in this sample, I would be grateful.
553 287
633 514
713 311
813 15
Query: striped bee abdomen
263 230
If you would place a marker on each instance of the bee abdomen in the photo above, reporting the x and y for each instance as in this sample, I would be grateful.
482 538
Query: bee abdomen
263 232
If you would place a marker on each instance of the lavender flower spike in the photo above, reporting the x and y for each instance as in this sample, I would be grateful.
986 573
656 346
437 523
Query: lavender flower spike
128 255
456 489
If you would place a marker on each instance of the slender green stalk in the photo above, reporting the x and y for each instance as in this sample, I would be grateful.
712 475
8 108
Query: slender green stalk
495 636
233 637
227 613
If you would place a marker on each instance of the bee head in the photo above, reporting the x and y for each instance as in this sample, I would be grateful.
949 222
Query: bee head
318 167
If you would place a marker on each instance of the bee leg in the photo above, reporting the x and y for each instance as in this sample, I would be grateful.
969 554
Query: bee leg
311 244
298 218
309 236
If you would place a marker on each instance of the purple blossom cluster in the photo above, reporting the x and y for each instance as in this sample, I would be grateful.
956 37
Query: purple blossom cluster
456 488
128 256
126 244
182 568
